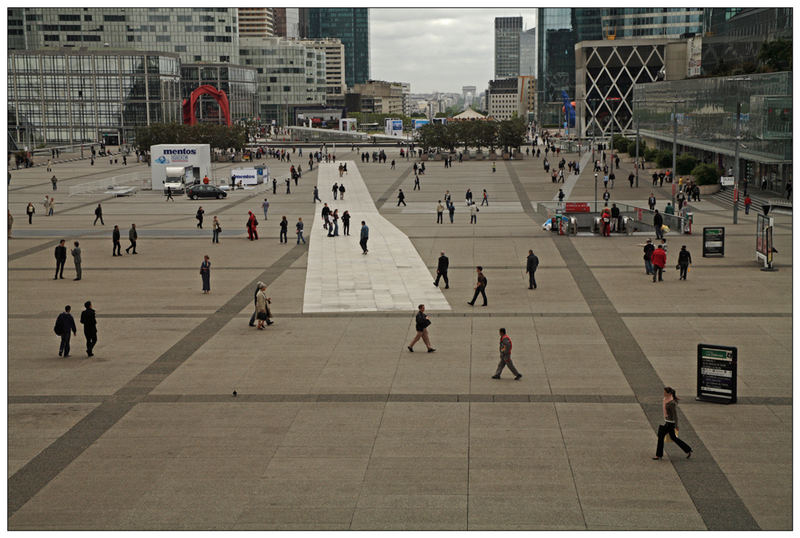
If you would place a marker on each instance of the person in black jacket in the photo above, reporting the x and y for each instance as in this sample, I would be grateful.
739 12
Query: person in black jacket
89 327
441 271
422 323
117 250
61 259
480 288
684 259
658 221
532 265
648 257
98 214
670 426
64 325
284 230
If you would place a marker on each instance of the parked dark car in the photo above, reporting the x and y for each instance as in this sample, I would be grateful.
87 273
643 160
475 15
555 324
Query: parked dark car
205 191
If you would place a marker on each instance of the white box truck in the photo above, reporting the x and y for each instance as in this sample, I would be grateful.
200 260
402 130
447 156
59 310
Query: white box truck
181 164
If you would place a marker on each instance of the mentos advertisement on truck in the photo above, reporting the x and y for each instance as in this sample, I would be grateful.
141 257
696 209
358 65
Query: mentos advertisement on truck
198 156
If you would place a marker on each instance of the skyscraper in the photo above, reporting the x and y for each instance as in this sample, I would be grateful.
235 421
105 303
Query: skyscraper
351 26
506 46
527 53
256 22
652 22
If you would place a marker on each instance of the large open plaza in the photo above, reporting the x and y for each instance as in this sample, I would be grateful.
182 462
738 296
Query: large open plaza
188 418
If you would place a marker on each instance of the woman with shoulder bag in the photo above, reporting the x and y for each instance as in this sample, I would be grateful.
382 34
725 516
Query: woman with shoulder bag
422 323
670 426
262 310
216 230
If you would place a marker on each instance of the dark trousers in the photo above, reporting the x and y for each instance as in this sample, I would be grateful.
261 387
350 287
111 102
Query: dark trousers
684 270
60 267
215 236
283 238
64 347
101 220
132 246
117 250
658 272
442 274
346 230
30 218
480 290
91 340
363 244
400 201
532 279
668 428
439 219
503 363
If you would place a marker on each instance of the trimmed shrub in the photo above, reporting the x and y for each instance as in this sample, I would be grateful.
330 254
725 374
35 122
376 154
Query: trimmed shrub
685 163
664 159
620 143
706 174
650 154
632 148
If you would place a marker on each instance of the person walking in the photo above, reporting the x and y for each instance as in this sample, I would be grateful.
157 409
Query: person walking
659 259
316 195
401 198
117 246
30 210
252 226
417 186
98 214
648 257
747 202
473 213
54 181
61 259
169 194
205 274
451 209
441 271
341 191
255 304
274 185
651 202
684 259
284 224
468 196
76 258
10 223
335 190
288 186
669 405
262 307
494 167
299 230
505 357
561 196
89 322
65 324
422 324
485 199
439 212
346 222
530 268
199 217
658 222
216 229
364 237
325 211
480 288
265 206
132 237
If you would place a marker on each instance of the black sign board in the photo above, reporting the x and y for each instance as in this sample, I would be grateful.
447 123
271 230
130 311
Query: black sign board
714 241
716 373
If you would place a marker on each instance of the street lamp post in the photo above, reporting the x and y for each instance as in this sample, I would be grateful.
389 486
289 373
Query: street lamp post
736 164
595 191
80 97
674 141
636 159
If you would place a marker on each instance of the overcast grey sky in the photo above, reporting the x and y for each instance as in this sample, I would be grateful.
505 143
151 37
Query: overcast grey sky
437 49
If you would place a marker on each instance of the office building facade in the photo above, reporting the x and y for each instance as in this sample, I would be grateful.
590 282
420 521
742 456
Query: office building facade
238 83
69 95
289 74
256 22
334 63
734 37
351 27
527 53
195 34
506 46
511 97
637 22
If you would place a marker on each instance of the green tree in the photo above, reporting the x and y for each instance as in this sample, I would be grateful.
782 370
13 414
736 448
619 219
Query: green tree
511 133
706 174
650 154
485 134
776 55
664 158
620 143
632 147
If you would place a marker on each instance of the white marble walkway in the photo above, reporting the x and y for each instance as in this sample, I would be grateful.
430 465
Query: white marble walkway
340 278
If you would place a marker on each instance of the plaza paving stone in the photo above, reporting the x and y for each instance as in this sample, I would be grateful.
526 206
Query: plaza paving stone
336 426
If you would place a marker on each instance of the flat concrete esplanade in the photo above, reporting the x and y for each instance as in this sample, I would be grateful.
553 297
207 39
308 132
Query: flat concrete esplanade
335 424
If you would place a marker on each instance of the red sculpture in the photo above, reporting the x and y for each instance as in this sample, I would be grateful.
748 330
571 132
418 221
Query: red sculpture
189 116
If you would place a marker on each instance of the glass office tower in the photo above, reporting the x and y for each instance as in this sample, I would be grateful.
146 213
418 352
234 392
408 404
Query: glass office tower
507 46
351 26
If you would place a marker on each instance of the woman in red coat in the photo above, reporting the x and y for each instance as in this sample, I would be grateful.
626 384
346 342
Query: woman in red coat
605 218
252 223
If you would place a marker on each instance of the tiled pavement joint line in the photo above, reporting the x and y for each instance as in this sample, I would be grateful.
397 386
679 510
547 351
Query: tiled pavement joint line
45 466
521 194
396 185
715 499
378 397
